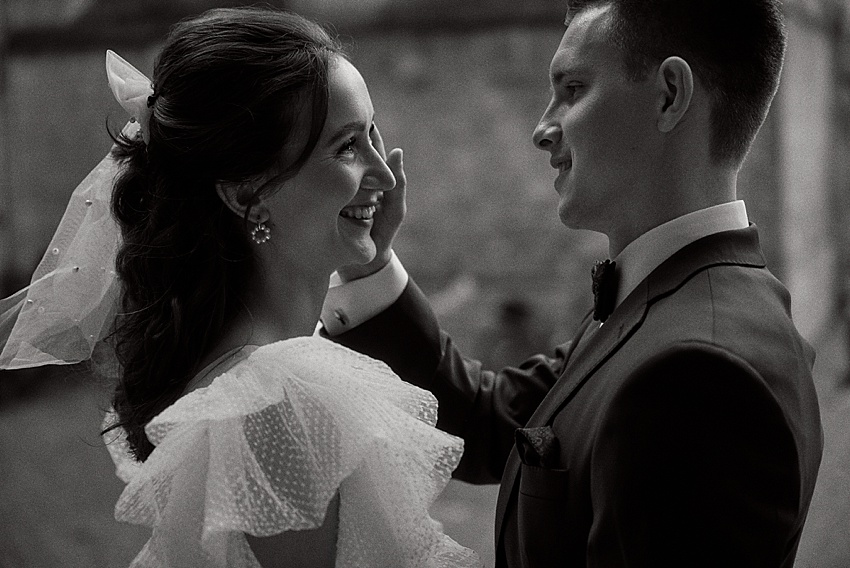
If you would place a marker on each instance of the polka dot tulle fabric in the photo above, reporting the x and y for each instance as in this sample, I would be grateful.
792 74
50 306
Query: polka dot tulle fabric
267 445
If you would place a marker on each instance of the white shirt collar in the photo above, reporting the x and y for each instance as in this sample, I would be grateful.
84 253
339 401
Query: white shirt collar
648 251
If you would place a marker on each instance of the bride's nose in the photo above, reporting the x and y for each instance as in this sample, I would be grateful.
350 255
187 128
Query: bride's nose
378 175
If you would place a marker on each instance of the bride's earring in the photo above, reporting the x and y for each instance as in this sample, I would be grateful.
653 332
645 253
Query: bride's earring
261 234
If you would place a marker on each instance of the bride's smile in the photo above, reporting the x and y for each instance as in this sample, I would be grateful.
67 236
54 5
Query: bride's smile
330 204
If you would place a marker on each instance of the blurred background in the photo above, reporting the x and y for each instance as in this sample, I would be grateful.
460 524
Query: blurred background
459 86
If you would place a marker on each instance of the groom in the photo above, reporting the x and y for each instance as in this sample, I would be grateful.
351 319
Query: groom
680 427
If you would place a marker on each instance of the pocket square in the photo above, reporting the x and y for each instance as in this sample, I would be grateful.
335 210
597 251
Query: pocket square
538 447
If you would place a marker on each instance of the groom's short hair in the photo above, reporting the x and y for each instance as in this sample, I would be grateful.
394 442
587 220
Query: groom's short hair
734 47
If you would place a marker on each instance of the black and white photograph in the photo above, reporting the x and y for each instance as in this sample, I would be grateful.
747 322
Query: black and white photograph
424 284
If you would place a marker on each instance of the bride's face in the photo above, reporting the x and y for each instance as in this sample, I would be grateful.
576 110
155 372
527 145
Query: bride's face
325 212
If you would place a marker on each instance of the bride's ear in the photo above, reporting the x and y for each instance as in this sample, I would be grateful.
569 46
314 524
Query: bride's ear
239 198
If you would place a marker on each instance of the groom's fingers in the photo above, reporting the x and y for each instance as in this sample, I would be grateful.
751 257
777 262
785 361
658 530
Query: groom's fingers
395 161
388 220
377 141
394 201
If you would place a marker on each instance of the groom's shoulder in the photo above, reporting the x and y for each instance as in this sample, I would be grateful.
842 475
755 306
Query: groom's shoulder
743 310
734 320
734 300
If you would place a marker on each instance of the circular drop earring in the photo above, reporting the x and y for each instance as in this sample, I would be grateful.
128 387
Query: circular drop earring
261 234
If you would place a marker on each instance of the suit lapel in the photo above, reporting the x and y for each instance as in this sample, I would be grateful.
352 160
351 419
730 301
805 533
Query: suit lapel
513 463
740 247
595 350
586 356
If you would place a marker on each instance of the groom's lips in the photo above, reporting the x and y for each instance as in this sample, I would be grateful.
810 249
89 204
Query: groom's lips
561 164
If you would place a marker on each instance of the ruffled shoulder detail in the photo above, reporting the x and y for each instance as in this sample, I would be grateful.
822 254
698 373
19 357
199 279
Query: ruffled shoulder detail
266 446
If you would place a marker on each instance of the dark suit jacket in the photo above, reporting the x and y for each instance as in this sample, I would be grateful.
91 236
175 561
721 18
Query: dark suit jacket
683 432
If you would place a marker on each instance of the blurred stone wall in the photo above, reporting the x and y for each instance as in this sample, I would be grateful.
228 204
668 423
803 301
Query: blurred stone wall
482 232
804 102
814 105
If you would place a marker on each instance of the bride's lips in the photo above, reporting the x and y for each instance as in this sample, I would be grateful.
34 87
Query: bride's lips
359 211
361 214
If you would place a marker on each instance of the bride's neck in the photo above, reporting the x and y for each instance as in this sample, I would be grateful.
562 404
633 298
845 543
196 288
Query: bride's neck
275 308
285 304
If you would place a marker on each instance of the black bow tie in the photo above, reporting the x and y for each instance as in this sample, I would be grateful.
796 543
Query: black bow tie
604 289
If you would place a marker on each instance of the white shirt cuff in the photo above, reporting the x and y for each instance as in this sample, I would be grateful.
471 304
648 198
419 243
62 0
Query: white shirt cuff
349 304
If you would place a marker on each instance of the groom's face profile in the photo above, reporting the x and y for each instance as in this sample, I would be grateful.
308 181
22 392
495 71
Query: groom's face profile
599 127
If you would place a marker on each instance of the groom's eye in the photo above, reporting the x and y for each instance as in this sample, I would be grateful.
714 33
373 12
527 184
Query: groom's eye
571 90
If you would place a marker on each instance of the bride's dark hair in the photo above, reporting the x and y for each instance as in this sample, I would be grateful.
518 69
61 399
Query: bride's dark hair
232 88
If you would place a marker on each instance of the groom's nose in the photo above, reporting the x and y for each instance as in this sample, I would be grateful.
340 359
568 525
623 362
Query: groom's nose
546 134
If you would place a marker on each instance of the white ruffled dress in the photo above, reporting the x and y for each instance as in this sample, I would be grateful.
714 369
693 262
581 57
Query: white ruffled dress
268 444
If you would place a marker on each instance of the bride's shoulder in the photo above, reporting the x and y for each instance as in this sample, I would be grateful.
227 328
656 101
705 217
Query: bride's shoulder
316 356
310 371
267 445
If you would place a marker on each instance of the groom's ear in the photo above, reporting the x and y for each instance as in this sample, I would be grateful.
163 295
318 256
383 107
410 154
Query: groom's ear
675 82
241 199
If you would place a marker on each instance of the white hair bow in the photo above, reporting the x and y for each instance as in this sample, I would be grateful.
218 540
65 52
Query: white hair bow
131 89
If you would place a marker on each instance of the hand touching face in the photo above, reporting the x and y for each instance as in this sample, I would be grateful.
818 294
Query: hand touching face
387 219
328 210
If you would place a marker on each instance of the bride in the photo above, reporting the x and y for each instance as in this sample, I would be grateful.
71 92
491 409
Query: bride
194 260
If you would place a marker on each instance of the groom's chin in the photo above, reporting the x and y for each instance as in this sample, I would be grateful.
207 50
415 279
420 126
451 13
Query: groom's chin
581 215
570 216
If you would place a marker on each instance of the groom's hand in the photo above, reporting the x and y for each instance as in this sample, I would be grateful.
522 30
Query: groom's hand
388 217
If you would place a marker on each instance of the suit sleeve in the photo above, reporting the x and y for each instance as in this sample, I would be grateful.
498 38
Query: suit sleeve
695 465
483 407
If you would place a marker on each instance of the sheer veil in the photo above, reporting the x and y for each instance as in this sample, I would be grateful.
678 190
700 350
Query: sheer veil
71 302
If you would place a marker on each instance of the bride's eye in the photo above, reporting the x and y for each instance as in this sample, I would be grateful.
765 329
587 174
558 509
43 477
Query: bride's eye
348 146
